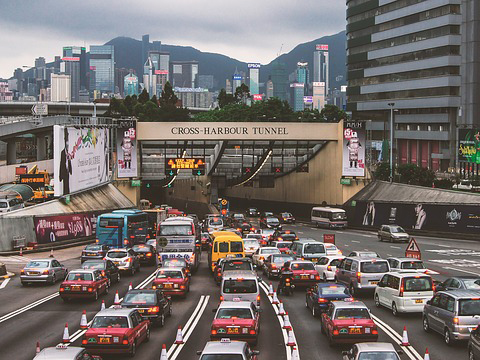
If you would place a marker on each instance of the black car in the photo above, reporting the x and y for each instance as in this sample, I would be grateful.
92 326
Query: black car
319 296
460 282
474 344
287 218
146 253
94 251
252 212
151 304
285 235
245 228
270 222
107 267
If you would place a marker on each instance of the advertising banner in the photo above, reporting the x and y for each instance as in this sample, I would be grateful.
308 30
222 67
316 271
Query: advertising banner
469 145
353 163
81 158
49 229
127 149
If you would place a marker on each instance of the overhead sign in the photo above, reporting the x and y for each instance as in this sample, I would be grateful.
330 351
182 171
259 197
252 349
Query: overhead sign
185 163
413 251
353 148
321 47
329 238
40 109
127 149
34 180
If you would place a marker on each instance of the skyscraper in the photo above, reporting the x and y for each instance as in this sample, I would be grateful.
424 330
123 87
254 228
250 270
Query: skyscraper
205 81
184 73
71 66
318 93
145 47
130 85
81 53
236 80
149 80
161 65
102 59
297 91
120 74
279 79
269 89
321 67
254 74
60 88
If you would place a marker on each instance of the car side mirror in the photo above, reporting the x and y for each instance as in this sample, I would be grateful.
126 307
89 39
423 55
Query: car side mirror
345 353
428 302
400 352
255 352
199 352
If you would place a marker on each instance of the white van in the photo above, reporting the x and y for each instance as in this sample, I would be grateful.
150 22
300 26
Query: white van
10 204
329 217
240 285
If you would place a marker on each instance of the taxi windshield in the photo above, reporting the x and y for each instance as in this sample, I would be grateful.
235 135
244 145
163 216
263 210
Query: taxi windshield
140 248
378 355
254 236
270 251
173 230
272 220
252 242
94 265
345 314
79 277
314 249
283 245
237 265
222 357
234 314
238 286
38 264
334 290
140 298
163 274
286 215
413 265
303 266
117 254
110 321
281 259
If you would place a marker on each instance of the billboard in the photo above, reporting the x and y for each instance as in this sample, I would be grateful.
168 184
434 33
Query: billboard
469 145
161 72
71 59
353 163
81 158
254 66
308 99
257 97
321 47
127 149
49 229
35 181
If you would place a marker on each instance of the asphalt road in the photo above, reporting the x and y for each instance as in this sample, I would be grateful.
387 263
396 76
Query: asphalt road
31 314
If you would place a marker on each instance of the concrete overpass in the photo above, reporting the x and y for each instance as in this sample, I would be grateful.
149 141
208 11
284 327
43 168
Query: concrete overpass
24 108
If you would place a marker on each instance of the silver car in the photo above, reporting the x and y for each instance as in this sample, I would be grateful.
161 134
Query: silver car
228 349
452 313
43 270
125 259
372 350
392 233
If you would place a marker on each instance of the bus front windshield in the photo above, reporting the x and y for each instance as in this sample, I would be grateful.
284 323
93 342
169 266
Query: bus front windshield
338 216
176 230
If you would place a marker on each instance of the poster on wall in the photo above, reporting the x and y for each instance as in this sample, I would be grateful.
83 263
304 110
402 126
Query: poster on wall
353 163
469 145
81 158
49 229
127 149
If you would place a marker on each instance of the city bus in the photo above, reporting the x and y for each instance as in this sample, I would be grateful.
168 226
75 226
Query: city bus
329 217
122 228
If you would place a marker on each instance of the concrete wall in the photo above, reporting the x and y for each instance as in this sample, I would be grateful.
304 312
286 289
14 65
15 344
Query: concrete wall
12 227
190 195
132 193
7 172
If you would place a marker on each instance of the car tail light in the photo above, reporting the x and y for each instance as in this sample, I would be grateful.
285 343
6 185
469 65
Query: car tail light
125 342
434 288
329 268
103 272
214 332
90 289
62 289
154 287
402 287
132 236
317 277
374 332
84 342
252 332
252 229
22 272
455 320
128 260
46 272
359 277
274 266
221 297
287 279
182 287
97 241
261 258
149 254
154 309
322 300
335 331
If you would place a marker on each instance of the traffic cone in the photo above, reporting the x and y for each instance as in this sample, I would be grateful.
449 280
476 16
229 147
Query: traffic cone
163 354
21 252
275 298
427 355
291 339
405 337
179 338
103 305
270 290
281 310
286 322
130 286
37 348
116 301
83 320
66 336
51 252
295 354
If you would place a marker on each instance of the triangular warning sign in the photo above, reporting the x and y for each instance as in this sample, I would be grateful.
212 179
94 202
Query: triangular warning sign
413 246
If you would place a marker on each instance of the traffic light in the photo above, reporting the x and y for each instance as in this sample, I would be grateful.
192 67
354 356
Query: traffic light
224 211
277 169
198 172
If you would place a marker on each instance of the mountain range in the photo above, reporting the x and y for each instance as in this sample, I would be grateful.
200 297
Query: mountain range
128 54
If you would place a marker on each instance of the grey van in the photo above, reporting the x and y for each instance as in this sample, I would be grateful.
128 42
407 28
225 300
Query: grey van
452 313
10 204
307 250
360 273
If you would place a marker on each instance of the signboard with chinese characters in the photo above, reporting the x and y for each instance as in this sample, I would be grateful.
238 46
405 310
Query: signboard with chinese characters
321 47
353 163
185 163
127 149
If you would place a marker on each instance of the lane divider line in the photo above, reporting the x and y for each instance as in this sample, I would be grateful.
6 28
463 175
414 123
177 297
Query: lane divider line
4 283
28 307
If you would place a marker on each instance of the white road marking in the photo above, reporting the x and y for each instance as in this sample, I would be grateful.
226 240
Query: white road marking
395 247
355 241
340 232
300 232
455 252
28 307
465 271
14 259
346 245
462 263
4 283
445 246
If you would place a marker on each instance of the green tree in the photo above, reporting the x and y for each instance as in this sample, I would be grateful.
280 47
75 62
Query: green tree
168 97
382 171
143 97
242 93
225 99
332 113
124 110
415 175
138 110
154 99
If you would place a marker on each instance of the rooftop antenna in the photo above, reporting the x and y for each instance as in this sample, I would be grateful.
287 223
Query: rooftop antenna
280 51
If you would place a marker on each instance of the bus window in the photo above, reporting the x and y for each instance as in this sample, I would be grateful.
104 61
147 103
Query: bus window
224 247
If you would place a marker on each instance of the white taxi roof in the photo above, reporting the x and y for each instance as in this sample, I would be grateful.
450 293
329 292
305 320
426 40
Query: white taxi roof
59 353
235 304
223 347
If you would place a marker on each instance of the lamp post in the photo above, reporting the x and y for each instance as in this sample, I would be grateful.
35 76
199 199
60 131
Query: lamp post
391 105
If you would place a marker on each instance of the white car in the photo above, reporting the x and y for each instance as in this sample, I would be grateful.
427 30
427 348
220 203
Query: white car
327 265
251 245
267 233
376 350
409 264
332 249
262 253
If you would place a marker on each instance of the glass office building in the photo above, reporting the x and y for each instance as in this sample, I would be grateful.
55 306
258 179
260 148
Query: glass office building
102 60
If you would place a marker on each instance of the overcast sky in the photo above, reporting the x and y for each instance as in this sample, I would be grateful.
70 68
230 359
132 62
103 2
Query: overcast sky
247 30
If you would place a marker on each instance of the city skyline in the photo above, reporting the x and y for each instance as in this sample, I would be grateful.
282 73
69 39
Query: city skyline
237 32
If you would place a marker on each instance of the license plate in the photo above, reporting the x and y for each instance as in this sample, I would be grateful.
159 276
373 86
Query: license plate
233 331
418 301
287 284
304 277
116 262
167 286
104 340
90 254
141 310
373 282
33 273
355 331
75 288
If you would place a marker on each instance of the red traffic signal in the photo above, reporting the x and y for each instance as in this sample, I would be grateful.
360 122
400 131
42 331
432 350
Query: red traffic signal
224 211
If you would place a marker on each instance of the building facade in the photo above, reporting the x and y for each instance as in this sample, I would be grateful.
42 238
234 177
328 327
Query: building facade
130 85
102 61
405 56
321 66
184 73
297 92
60 88
318 95
71 66
279 79
5 93
254 78
79 52
194 97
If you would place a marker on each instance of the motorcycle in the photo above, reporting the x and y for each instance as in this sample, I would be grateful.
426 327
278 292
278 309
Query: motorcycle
286 286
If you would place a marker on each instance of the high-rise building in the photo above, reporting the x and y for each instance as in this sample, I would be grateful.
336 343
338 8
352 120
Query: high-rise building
102 59
130 86
318 92
236 81
194 98
405 56
254 75
18 75
145 47
269 89
206 81
120 74
39 71
228 86
60 88
321 66
161 64
184 73
156 46
149 80
71 66
297 92
80 53
280 80
5 93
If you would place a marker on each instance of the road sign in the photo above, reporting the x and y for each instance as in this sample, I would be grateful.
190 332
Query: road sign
198 172
345 181
40 109
329 238
136 183
224 211
170 172
224 202
247 170
413 251
185 163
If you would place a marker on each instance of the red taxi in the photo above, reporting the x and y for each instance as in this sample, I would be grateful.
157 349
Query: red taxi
172 281
116 331
348 322
304 273
83 284
237 320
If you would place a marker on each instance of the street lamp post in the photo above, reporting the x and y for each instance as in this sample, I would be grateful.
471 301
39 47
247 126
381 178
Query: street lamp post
391 140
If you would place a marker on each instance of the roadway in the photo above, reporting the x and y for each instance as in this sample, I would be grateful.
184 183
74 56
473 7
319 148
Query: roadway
35 313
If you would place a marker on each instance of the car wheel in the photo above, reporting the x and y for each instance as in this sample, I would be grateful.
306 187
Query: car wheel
325 278
447 337
394 309
161 322
132 271
170 310
314 313
471 355
377 301
147 335
54 279
391 239
426 325
133 350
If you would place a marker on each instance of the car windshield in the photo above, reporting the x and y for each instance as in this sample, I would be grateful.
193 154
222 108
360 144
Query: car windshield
374 267
283 245
239 286
215 221
473 284
93 247
365 254
338 216
335 262
38 264
237 265
345 314
418 284
272 220
236 246
281 259
117 254
94 265
110 321
270 251
314 249
74 276
413 265
378 355
303 266
238 216
268 232
174 263
140 298
234 314
288 237
286 215
251 243
254 236
222 357
334 290
164 274
172 230
396 229
3 204
469 307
